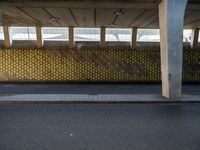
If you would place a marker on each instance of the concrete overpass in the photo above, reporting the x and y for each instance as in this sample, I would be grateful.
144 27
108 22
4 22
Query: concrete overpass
171 16
119 114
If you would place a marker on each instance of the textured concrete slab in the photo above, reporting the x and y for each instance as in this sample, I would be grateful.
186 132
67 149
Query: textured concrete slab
91 93
94 98
91 89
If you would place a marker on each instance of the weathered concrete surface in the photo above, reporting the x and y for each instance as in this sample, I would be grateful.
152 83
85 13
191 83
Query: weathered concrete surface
171 18
90 89
85 98
195 38
30 93
39 36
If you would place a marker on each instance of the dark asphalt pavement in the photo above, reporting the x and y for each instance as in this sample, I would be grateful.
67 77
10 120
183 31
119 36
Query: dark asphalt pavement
91 89
100 127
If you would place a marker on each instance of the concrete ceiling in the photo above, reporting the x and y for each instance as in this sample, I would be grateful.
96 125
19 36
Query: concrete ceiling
90 13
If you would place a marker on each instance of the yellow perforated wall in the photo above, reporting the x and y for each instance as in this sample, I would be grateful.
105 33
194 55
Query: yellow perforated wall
89 65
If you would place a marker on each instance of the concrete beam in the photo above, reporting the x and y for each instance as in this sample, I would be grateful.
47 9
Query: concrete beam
71 38
103 37
195 37
171 19
39 37
134 38
79 4
88 4
7 38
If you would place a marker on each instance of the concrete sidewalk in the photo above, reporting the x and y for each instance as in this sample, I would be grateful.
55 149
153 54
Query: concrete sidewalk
12 93
57 98
91 89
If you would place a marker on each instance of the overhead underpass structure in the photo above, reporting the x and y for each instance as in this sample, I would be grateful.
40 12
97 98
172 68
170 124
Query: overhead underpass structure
148 41
99 74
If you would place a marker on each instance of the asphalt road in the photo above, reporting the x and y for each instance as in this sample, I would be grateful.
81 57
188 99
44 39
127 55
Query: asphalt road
91 89
100 127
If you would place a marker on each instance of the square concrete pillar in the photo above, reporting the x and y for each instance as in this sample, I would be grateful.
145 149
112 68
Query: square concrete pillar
171 19
134 38
103 37
195 37
7 38
71 42
39 37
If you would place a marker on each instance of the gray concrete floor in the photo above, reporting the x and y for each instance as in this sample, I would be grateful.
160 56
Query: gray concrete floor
192 89
100 127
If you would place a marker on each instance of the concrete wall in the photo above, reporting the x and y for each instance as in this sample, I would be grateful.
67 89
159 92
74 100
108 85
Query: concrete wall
90 65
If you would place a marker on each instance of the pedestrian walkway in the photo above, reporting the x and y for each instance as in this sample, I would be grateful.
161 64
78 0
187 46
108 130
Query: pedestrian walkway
104 98
12 93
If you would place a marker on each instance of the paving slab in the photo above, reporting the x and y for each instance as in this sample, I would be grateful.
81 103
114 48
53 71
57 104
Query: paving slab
92 93
94 98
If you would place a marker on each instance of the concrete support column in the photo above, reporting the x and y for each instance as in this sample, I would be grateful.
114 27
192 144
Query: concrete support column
134 38
7 38
71 37
103 37
171 19
195 37
39 37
